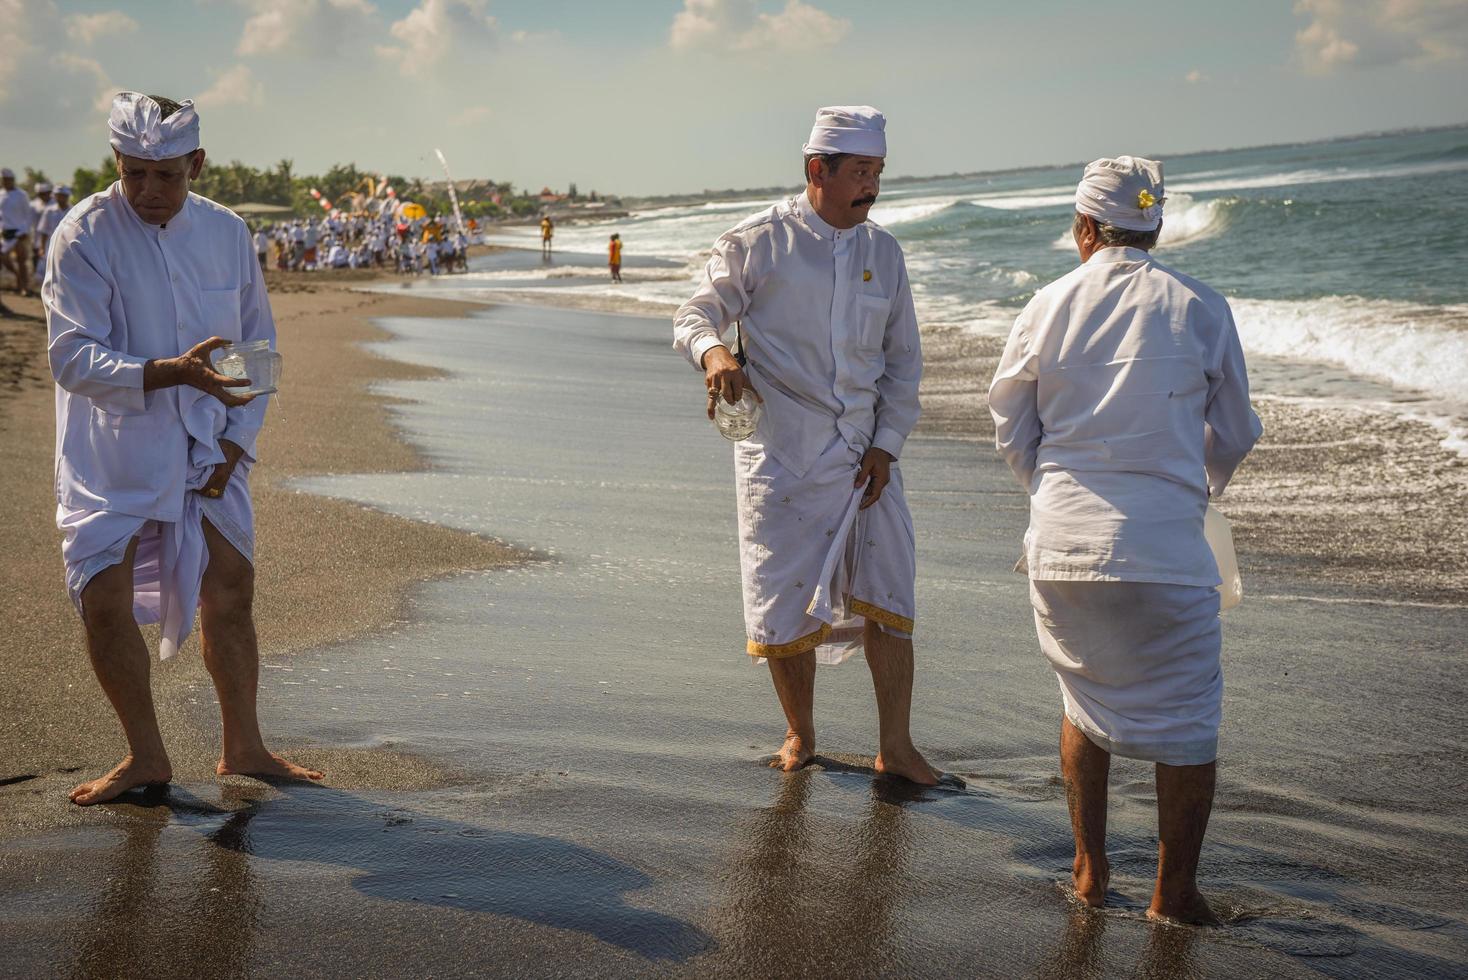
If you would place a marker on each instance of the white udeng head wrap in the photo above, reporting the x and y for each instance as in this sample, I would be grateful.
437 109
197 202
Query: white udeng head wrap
139 129
857 129
1125 192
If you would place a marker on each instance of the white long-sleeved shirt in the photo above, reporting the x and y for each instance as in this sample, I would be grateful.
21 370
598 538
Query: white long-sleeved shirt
120 292
15 211
50 218
1121 401
829 329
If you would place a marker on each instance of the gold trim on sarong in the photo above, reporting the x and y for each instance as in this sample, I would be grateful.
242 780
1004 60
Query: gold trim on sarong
878 614
778 651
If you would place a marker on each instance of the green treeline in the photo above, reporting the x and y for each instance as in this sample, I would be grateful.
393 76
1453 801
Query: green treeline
237 183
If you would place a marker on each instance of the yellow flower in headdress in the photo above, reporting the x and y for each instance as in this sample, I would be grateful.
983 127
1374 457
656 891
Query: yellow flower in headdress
866 275
1145 199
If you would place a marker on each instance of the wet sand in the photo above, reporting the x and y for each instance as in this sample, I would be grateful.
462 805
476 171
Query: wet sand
597 736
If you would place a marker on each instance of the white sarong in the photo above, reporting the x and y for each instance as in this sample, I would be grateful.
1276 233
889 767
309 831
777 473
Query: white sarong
814 564
168 566
1138 663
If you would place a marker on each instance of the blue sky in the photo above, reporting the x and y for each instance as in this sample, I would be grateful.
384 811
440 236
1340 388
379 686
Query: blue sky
678 95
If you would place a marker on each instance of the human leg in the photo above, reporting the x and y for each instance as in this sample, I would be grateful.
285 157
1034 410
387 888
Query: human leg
1085 767
890 660
1184 802
795 685
226 599
120 660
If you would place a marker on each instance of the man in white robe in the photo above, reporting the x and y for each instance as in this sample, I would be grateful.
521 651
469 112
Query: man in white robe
153 451
1121 403
17 222
822 302
50 220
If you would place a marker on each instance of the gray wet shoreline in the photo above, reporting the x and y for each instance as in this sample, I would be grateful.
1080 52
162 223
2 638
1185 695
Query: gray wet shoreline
616 818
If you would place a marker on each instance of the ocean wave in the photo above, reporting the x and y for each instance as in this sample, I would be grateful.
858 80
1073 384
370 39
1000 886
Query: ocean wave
900 214
1317 176
1408 345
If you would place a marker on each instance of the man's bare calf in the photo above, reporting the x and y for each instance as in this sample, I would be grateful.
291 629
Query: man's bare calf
890 661
226 607
1184 802
795 685
121 662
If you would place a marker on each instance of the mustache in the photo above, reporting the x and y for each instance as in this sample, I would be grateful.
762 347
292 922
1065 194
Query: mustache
863 201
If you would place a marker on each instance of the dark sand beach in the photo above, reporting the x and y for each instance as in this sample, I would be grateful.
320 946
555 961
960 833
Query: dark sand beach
553 765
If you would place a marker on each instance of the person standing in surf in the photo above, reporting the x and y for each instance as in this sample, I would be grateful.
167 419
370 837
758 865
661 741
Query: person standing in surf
821 298
1121 403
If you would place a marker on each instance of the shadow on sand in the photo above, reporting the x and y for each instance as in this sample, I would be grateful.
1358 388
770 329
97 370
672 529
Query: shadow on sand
399 855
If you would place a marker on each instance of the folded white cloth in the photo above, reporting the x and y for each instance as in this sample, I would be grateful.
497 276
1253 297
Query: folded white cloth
814 564
139 129
1126 192
857 129
169 564
1139 665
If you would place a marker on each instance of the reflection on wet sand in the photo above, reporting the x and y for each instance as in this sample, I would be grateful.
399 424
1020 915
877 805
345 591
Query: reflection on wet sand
1078 956
811 895
121 937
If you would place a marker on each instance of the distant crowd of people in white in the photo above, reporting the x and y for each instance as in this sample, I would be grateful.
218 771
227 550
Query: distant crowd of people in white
336 241
26 225
363 241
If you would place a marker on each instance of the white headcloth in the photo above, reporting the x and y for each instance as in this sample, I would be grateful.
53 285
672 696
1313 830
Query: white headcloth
857 129
1125 191
139 129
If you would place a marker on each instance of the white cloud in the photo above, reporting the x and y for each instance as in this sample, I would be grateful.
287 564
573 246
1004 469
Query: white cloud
440 32
1343 34
87 28
305 26
740 26
1194 77
43 85
236 86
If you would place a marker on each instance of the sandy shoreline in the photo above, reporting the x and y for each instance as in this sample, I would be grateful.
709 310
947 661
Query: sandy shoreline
328 570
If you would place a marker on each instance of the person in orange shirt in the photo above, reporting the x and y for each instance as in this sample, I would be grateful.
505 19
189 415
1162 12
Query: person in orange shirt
614 257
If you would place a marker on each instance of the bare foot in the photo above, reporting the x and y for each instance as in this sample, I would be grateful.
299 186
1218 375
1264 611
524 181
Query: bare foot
129 774
1189 909
910 765
265 763
794 754
1091 880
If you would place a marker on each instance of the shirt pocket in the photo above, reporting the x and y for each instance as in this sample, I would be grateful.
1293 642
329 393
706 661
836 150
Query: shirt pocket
872 314
122 451
220 309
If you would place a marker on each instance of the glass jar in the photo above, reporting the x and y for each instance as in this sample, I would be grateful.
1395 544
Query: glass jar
254 362
737 422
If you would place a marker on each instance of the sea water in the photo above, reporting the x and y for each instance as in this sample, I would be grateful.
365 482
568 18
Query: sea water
1346 255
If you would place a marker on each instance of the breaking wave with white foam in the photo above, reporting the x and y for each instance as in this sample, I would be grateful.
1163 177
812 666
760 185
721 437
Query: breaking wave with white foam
1404 344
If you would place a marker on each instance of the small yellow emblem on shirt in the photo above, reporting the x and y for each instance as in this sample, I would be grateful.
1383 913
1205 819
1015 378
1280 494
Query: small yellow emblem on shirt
866 275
